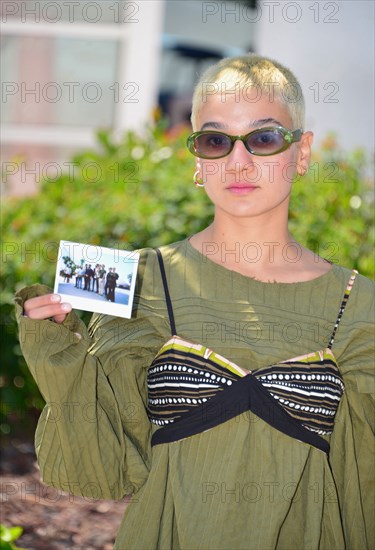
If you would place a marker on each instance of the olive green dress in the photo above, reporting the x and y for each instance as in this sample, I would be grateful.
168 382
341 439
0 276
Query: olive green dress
242 484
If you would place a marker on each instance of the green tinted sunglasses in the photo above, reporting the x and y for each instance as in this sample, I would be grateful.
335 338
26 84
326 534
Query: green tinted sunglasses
211 144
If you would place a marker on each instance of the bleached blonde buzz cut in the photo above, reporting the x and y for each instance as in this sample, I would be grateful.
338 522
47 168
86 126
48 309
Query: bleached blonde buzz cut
252 76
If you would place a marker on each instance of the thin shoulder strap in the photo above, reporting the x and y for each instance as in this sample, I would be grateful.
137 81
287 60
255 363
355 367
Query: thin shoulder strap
343 305
166 292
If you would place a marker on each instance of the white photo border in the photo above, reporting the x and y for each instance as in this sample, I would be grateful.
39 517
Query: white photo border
125 262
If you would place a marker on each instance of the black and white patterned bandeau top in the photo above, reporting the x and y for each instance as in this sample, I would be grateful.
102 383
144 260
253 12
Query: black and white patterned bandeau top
184 375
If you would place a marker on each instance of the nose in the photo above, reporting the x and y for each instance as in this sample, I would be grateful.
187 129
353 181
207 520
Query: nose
239 156
240 164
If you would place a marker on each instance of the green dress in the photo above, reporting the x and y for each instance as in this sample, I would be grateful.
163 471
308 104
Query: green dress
243 483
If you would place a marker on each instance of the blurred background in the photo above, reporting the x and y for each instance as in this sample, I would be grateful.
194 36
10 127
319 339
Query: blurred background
69 68
95 109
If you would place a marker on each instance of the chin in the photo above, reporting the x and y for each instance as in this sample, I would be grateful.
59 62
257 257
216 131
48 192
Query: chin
242 211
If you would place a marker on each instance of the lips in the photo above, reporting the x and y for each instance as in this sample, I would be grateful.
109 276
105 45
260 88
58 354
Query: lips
241 188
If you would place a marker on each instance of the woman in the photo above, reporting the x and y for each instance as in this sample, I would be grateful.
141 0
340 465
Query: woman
102 274
235 404
95 282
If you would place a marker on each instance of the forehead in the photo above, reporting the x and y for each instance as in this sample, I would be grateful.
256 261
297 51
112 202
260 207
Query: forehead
241 112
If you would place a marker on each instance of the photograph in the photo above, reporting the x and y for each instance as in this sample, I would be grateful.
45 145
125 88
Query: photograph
95 278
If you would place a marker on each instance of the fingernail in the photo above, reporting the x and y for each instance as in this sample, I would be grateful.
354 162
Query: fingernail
55 298
66 307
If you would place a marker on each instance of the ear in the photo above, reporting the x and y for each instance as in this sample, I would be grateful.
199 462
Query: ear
304 153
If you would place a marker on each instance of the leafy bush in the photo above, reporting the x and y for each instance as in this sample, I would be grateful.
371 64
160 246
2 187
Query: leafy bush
140 193
332 207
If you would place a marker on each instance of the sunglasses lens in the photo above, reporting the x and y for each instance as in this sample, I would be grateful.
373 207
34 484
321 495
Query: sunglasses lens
212 145
266 142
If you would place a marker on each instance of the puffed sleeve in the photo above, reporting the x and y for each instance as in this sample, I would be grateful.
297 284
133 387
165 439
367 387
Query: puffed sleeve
352 454
93 437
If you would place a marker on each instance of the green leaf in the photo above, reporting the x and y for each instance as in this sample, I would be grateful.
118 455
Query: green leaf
9 534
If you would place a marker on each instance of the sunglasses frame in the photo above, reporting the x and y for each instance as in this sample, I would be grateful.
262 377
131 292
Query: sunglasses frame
290 136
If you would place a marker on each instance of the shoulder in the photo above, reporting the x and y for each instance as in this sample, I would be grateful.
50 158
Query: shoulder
354 340
177 248
149 283
170 253
359 292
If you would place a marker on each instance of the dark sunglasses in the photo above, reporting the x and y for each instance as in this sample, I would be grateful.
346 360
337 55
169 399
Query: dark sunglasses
211 144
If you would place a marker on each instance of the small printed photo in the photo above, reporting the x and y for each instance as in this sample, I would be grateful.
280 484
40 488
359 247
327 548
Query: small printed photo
95 278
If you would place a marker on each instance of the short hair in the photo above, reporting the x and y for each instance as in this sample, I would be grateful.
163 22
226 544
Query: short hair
237 74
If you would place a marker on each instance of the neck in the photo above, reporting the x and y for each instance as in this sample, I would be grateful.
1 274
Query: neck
259 248
260 242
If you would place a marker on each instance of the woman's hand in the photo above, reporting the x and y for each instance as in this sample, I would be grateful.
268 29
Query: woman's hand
45 307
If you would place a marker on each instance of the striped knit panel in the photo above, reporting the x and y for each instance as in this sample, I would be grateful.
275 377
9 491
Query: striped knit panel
184 375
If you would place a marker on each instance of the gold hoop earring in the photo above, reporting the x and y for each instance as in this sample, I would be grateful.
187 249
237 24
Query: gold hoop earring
198 182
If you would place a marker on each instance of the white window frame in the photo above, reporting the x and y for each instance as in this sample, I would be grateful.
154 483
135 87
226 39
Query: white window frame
138 62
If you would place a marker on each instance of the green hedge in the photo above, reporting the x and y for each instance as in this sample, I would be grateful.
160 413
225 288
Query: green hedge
140 193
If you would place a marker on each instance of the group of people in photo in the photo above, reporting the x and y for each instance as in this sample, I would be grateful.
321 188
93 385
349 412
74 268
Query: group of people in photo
96 280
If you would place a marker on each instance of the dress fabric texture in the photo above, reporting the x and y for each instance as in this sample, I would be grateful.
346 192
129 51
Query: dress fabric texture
242 483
